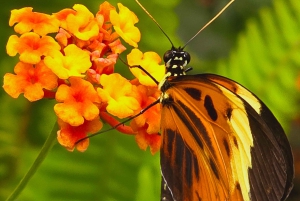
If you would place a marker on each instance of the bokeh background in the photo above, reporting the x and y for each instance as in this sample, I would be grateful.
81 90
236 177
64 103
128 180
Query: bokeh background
255 42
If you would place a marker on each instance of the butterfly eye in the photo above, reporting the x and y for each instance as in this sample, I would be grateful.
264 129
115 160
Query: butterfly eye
168 55
187 57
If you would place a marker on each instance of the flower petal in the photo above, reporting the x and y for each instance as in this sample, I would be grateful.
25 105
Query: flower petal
124 25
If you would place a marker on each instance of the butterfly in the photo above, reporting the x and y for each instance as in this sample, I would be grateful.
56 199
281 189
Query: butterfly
219 141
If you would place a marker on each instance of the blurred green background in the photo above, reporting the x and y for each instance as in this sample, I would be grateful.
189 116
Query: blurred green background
255 42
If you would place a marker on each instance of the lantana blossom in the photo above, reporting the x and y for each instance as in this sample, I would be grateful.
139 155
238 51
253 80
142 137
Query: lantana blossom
147 125
102 66
121 101
27 20
62 37
76 66
104 10
82 24
31 47
150 119
68 135
150 62
74 62
116 47
62 15
123 23
77 102
31 80
144 140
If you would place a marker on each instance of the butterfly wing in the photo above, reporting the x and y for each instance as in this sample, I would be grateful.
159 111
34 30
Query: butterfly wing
165 191
273 133
220 142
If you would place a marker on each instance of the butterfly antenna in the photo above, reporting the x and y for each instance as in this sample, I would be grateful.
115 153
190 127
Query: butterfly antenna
208 23
154 21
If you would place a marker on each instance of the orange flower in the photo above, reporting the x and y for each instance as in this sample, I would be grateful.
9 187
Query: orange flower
62 37
68 135
123 24
27 20
119 94
82 24
30 80
74 62
62 16
104 10
116 47
150 119
147 125
150 62
102 66
104 23
31 47
78 102
144 140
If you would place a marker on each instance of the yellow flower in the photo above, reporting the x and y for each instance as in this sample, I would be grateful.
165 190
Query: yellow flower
82 24
74 62
119 94
148 61
123 24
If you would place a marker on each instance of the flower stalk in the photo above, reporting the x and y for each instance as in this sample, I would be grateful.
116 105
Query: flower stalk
51 140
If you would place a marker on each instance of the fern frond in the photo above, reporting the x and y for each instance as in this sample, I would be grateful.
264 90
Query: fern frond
267 58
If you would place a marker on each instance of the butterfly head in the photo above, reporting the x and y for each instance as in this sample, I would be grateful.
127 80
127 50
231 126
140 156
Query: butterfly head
176 60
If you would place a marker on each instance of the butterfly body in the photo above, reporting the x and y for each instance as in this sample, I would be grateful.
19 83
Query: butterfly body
219 141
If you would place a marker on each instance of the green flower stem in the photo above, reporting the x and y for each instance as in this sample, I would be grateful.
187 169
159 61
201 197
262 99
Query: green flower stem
38 161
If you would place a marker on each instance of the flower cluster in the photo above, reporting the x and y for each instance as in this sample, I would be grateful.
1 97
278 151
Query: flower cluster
70 56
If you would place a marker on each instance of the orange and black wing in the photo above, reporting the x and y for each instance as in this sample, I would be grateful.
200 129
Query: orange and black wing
220 142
